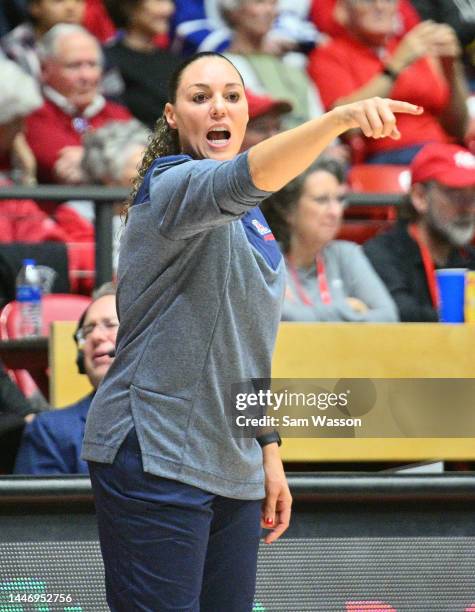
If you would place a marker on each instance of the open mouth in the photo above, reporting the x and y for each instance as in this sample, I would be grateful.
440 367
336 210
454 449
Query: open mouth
218 137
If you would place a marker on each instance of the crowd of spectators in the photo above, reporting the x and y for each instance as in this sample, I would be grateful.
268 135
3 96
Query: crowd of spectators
84 82
263 71
423 66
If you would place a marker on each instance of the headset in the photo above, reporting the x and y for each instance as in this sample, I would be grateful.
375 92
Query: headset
80 354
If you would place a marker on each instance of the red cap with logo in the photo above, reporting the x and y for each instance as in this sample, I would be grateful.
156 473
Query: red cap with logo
263 104
448 164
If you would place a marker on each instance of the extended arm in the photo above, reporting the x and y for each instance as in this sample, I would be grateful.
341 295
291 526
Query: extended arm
277 160
198 195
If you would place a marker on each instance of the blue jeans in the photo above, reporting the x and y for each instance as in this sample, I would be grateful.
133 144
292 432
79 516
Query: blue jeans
167 545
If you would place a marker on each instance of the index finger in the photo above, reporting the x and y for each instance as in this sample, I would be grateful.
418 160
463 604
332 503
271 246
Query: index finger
398 106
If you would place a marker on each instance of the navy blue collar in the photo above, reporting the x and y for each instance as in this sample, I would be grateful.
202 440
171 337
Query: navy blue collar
143 194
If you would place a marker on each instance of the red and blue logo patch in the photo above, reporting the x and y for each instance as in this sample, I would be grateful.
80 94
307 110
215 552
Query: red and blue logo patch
261 237
264 231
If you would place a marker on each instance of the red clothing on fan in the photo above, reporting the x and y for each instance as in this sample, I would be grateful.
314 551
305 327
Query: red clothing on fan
345 65
24 221
322 15
50 129
97 21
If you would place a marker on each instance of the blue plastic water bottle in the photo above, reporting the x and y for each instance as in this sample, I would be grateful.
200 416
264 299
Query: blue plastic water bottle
28 296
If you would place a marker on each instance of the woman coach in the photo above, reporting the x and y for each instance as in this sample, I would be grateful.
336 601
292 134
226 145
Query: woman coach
178 498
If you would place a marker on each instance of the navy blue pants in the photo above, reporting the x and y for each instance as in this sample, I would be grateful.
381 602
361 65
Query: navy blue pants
167 545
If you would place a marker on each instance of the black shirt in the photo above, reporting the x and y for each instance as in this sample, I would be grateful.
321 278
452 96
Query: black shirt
13 404
397 259
144 77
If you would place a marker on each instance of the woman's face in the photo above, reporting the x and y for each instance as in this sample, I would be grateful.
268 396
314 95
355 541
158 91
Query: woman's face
152 16
316 218
372 20
255 17
210 111
51 12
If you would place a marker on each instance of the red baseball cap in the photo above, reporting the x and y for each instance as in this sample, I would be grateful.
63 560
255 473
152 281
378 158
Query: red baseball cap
263 104
448 164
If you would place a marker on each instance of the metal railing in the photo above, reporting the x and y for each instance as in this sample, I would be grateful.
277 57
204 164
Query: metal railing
305 487
104 199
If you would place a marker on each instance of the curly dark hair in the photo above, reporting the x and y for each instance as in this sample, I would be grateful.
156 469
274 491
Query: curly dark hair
277 207
164 139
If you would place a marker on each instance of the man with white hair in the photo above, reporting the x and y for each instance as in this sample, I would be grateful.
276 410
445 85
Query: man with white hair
438 233
20 220
71 72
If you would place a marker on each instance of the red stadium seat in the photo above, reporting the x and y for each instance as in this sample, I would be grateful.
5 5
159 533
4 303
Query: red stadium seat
82 266
56 307
363 222
379 178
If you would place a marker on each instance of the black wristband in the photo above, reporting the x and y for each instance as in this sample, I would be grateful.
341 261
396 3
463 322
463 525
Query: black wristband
389 72
269 438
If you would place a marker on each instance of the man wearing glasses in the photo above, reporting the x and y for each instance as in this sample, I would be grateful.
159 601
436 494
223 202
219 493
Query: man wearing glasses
51 444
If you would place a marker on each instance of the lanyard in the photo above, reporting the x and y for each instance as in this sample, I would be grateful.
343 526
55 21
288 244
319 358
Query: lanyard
321 279
428 263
